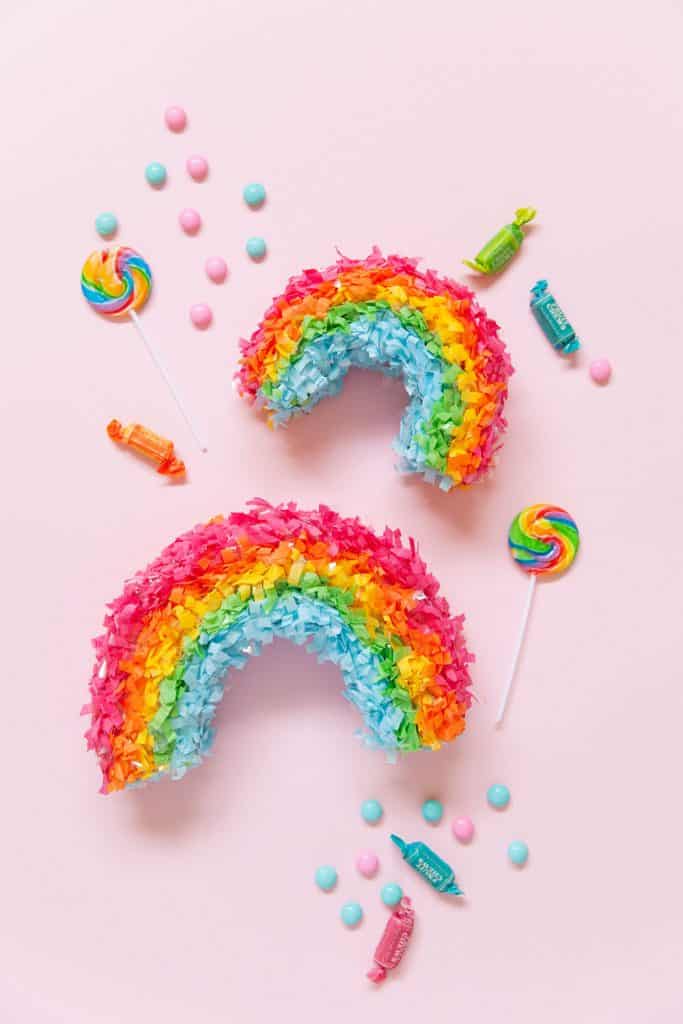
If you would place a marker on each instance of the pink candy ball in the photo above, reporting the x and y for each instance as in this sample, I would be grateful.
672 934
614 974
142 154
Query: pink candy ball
190 221
216 269
197 167
201 315
175 118
463 829
367 864
600 370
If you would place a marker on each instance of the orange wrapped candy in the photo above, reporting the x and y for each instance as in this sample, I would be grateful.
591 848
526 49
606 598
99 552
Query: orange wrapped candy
154 447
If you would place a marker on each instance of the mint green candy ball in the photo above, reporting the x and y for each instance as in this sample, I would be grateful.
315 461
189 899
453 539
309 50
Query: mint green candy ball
371 811
106 224
254 194
432 811
351 914
391 894
326 877
498 796
155 174
256 248
518 852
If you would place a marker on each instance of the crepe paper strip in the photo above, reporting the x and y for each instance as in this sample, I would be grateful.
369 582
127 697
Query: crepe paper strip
217 594
116 282
544 541
383 313
153 446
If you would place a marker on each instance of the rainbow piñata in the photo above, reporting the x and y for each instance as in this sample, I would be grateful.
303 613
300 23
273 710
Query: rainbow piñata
221 591
383 313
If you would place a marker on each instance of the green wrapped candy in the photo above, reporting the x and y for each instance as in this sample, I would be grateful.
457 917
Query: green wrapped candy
503 246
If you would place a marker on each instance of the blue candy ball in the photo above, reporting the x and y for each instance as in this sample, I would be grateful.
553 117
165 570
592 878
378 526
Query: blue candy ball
254 194
518 852
391 894
106 224
256 248
498 796
155 174
351 914
326 877
432 811
371 811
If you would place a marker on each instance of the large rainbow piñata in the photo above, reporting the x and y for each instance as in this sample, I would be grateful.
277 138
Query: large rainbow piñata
218 593
383 313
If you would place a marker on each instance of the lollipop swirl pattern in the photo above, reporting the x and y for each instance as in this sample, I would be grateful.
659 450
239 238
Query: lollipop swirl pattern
116 281
543 539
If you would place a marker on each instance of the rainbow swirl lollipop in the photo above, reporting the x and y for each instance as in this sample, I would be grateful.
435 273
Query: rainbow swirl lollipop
543 539
116 281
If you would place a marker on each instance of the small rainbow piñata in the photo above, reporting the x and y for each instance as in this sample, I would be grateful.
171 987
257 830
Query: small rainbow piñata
383 313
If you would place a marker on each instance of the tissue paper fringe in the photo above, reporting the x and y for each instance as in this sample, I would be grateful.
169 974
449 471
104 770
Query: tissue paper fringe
221 591
383 313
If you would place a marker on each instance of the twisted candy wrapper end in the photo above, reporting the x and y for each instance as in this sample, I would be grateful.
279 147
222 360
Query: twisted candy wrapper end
523 215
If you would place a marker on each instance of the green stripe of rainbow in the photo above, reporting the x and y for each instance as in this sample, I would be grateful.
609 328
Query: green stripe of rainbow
220 591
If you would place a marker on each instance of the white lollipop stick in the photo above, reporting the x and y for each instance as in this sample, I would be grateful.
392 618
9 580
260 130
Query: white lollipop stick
156 359
531 590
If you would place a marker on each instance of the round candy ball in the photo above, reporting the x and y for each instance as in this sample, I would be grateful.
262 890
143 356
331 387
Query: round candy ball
351 914
371 811
463 829
367 863
106 224
432 811
498 796
254 194
197 167
155 174
600 371
201 315
175 118
216 269
326 877
256 248
190 221
518 852
391 894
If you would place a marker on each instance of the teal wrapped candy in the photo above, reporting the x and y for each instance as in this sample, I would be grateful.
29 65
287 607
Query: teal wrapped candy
437 872
552 320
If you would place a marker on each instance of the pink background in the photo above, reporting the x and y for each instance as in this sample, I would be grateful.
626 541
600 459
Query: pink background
419 126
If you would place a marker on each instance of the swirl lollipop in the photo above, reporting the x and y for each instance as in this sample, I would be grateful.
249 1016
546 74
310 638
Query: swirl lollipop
543 540
116 282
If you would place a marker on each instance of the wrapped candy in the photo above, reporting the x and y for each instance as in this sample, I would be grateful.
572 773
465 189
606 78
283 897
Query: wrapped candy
145 442
500 249
394 941
552 320
437 872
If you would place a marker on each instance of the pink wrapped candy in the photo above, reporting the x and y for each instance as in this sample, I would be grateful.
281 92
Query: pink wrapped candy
394 941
